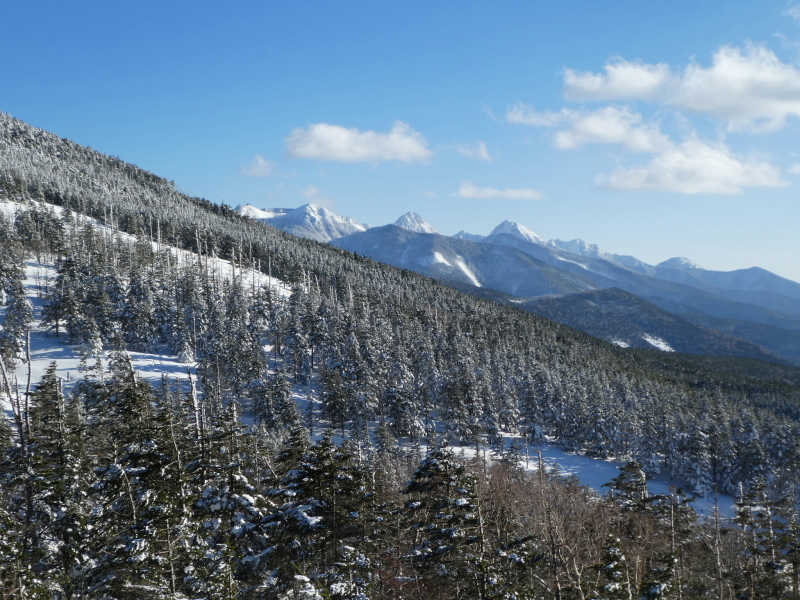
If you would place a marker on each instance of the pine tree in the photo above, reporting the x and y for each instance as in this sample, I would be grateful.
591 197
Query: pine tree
614 577
443 512
318 528
19 316
629 488
62 476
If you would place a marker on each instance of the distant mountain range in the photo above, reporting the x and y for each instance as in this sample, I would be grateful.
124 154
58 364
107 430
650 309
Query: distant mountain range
748 312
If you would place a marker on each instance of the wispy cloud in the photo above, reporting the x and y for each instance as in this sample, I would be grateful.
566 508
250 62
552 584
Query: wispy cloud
323 141
259 167
470 190
477 151
608 125
314 196
527 115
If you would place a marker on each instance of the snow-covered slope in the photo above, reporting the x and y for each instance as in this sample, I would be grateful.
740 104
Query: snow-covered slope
413 222
309 221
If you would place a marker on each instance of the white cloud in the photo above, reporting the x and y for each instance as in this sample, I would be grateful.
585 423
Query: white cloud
260 167
622 80
695 167
611 125
527 115
323 141
795 169
470 190
608 125
314 196
477 151
751 89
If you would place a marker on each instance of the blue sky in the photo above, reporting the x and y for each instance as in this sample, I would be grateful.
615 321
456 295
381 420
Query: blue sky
652 129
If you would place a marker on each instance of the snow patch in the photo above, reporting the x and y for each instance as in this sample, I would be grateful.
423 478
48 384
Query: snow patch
620 343
435 259
466 270
657 343
562 259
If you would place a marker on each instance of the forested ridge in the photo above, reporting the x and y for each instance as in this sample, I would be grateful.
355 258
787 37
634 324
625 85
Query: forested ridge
116 489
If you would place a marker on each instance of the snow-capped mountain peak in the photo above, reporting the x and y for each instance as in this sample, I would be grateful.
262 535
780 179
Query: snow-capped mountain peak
260 214
517 230
413 222
309 221
680 262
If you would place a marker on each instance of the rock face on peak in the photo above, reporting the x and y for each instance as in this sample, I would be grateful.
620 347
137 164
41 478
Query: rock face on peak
472 237
581 248
513 229
578 246
413 222
309 221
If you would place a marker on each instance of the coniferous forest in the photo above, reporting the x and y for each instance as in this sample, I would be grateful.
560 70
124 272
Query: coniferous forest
311 450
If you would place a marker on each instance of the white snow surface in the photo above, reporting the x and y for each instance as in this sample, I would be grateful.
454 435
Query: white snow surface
620 343
657 342
595 473
434 259
413 222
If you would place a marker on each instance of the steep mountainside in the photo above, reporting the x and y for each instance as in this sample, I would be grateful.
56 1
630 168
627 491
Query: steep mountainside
497 267
626 320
